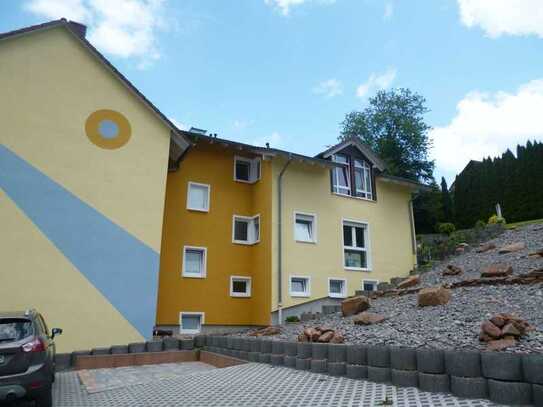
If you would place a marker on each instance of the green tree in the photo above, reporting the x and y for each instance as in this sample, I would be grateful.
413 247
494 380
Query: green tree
393 126
427 209
446 202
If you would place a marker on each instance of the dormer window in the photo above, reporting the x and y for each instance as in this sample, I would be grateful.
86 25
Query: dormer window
341 176
362 179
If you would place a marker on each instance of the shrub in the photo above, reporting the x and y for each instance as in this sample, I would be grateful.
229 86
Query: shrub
480 224
292 318
495 219
446 228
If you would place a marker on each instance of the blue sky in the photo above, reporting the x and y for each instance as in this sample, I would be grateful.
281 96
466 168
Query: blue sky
287 71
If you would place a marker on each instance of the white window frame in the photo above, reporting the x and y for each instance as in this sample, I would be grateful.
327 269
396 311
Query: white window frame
313 226
250 220
191 183
191 331
366 175
255 169
306 293
367 249
204 261
336 188
343 293
376 282
248 281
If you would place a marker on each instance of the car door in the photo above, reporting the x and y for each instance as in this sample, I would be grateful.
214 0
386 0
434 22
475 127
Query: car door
51 347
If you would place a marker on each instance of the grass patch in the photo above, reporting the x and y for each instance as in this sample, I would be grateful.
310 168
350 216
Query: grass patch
524 223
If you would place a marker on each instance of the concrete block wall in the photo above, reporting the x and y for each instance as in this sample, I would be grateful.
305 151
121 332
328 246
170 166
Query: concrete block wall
504 378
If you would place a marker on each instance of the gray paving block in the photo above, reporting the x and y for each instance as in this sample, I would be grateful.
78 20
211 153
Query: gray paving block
430 361
357 355
154 346
319 351
319 366
356 371
171 343
230 342
291 348
502 366
136 347
254 356
532 366
434 383
404 378
537 395
337 352
187 344
199 341
265 346
215 341
276 360
63 361
119 349
236 343
236 353
246 344
304 350
278 348
469 387
77 353
337 368
264 358
463 363
510 393
290 361
101 351
223 342
403 358
303 364
379 374
244 355
378 356
254 345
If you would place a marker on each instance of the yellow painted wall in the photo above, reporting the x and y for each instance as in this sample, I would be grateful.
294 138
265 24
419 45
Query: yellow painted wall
214 165
49 85
307 189
32 264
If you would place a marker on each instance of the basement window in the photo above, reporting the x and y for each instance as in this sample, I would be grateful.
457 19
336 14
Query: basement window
337 287
305 227
369 285
240 286
246 169
191 322
194 262
299 286
246 230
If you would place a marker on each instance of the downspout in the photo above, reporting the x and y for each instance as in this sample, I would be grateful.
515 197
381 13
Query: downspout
413 232
280 241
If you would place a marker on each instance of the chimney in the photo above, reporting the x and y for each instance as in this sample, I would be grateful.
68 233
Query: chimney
78 28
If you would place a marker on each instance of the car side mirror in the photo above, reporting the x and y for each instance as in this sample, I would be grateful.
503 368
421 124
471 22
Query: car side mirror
55 332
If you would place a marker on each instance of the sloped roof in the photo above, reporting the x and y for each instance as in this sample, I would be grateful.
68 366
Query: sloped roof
78 31
364 149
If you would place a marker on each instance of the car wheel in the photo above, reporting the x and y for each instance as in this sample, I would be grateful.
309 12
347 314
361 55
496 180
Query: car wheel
45 399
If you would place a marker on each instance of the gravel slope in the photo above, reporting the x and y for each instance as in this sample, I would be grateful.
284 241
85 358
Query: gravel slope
456 324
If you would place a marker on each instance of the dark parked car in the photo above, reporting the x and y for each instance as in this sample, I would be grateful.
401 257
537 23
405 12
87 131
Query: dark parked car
27 357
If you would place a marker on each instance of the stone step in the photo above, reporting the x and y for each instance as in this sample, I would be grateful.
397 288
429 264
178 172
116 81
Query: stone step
330 309
384 286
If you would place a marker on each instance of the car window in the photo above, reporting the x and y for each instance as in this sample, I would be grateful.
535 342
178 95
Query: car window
14 329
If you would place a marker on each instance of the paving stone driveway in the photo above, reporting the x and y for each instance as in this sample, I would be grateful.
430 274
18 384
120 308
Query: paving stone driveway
250 384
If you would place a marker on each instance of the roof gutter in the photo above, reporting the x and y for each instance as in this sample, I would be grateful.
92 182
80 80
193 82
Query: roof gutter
280 241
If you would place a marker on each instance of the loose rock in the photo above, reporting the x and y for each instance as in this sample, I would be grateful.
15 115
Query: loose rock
368 318
452 270
485 247
497 270
514 247
433 296
354 305
410 282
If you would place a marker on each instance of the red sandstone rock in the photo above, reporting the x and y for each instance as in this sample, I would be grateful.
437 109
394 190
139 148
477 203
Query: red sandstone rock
433 296
268 331
510 329
498 321
452 270
497 270
354 305
501 344
537 253
511 248
491 330
410 282
368 318
312 334
337 338
326 337
485 247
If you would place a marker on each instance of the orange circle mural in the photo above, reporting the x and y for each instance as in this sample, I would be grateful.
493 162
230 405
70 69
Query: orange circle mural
108 129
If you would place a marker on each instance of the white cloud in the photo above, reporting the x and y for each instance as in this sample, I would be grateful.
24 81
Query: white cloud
275 140
376 82
487 124
124 28
498 17
389 10
329 88
284 5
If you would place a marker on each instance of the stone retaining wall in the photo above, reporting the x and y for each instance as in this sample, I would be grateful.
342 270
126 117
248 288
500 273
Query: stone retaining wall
504 378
